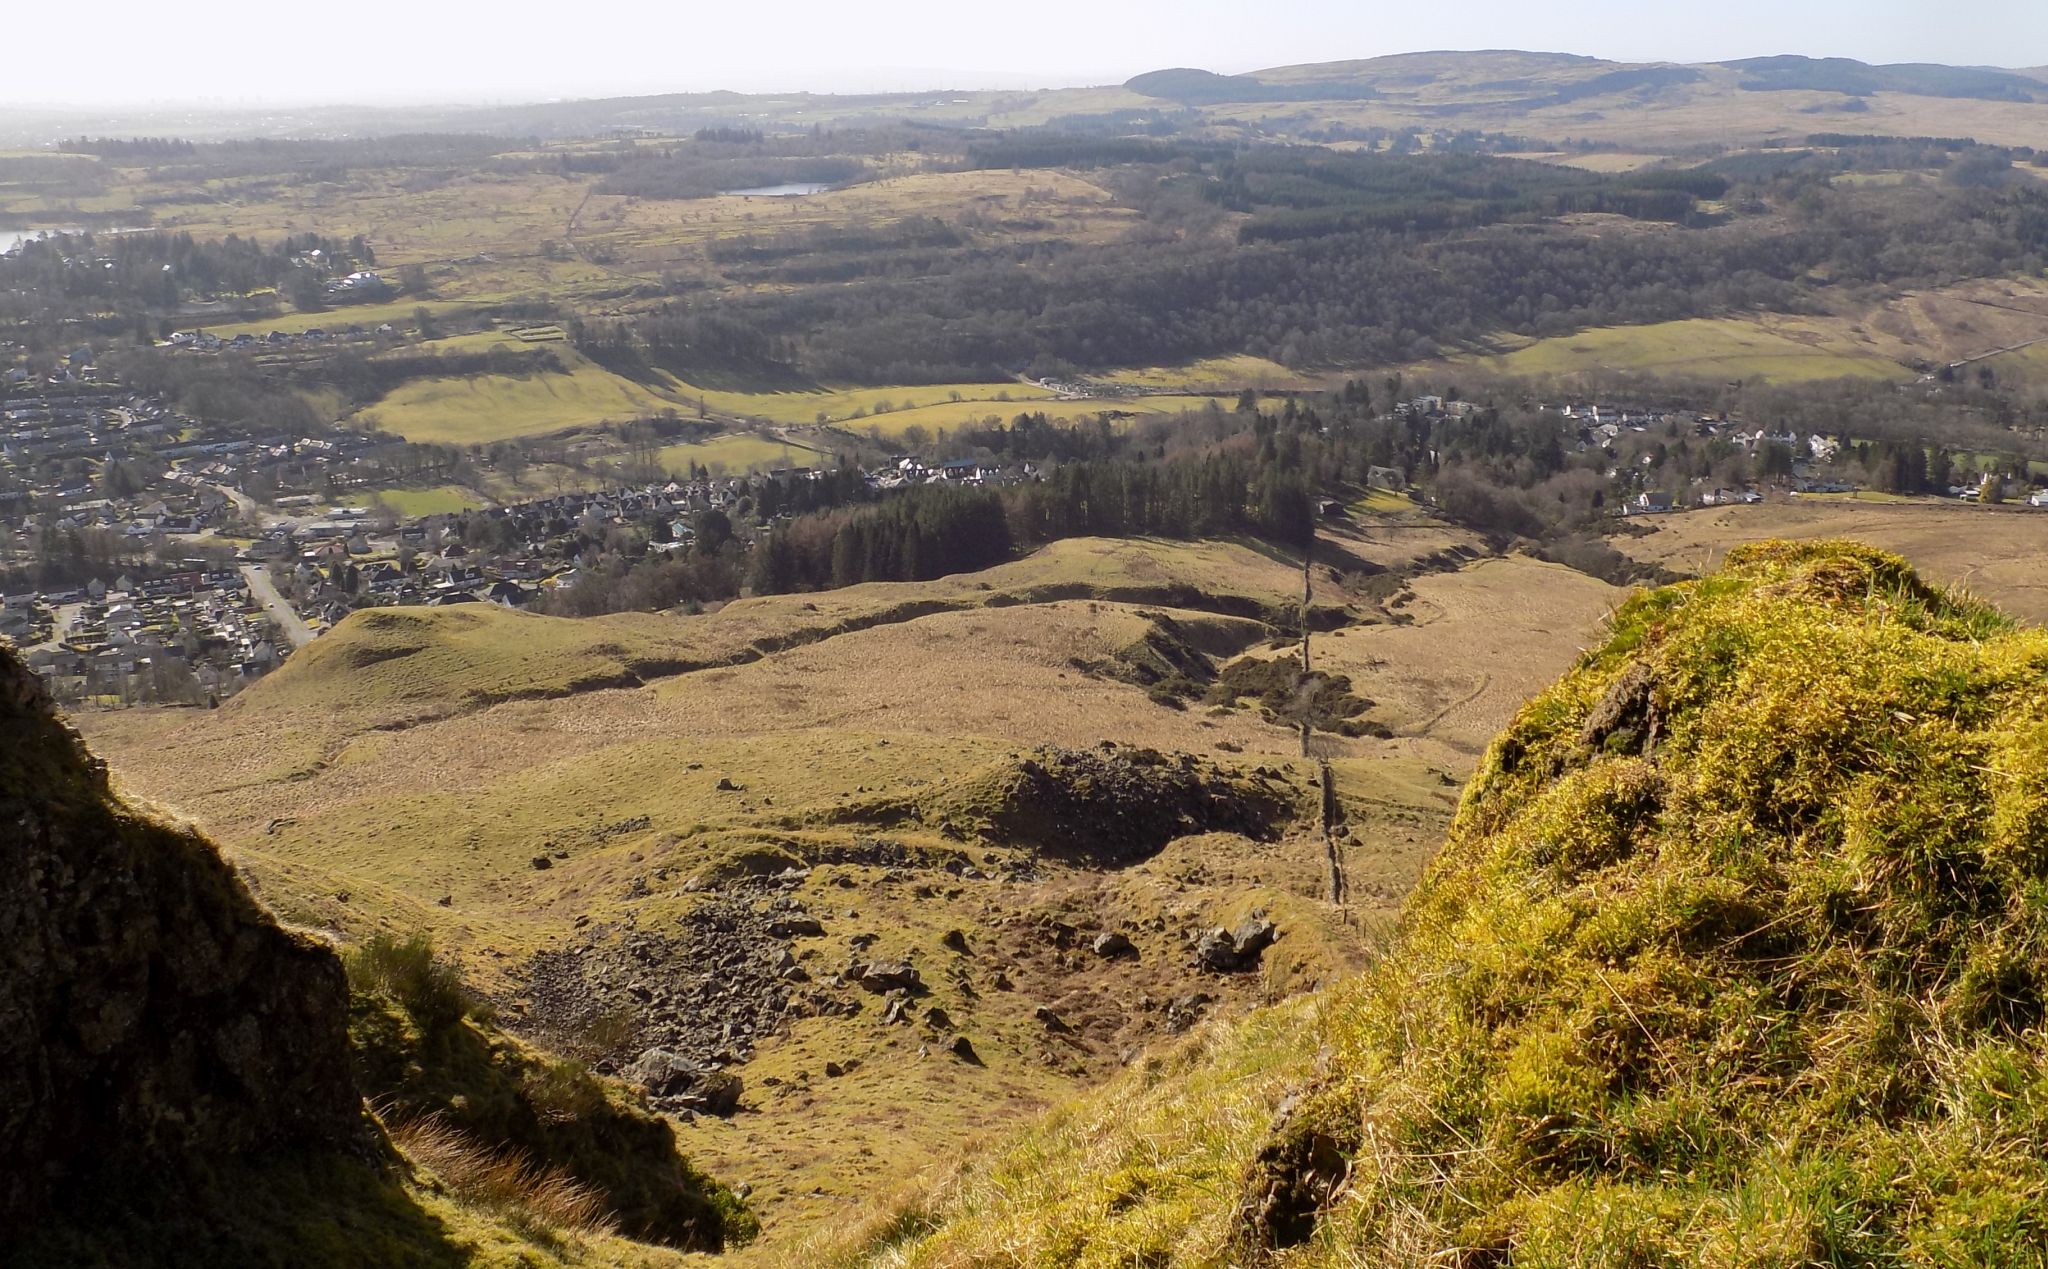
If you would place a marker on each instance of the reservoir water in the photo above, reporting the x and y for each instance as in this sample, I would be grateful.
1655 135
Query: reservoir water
794 190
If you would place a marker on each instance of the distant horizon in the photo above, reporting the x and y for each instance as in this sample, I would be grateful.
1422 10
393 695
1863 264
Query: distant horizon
409 53
1018 83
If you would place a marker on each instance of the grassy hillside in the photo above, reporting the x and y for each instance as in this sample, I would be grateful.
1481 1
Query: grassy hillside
550 799
1704 348
1999 553
478 655
1732 956
1896 336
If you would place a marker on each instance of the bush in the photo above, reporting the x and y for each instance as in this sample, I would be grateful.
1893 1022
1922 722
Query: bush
406 970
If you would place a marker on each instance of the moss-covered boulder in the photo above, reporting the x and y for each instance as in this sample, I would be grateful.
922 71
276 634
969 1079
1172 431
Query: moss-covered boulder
1737 949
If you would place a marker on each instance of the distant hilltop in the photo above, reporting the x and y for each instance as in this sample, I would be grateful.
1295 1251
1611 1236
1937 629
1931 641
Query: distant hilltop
1536 95
1492 77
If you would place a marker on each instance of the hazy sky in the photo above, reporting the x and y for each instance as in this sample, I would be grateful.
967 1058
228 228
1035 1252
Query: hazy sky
124 51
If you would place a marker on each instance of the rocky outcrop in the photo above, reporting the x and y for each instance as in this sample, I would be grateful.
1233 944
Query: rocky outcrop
1115 805
150 1010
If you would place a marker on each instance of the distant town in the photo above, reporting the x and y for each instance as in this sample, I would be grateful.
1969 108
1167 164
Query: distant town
177 569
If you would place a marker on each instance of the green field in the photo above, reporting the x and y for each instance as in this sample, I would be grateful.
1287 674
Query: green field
740 452
434 501
474 342
953 415
1382 502
483 408
368 316
1216 374
837 405
1863 495
1788 351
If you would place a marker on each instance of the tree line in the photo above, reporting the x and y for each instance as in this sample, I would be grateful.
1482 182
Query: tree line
929 531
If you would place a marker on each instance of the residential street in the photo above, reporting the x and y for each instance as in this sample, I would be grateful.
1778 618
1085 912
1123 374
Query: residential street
66 617
287 619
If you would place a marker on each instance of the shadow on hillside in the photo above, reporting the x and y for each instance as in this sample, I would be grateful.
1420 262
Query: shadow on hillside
304 1210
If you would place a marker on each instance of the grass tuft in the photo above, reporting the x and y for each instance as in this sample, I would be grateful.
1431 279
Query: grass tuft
542 1203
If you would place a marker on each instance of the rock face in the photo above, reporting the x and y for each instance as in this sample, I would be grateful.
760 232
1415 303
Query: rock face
149 1008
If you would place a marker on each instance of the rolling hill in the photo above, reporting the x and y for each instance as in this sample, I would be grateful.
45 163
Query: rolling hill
1658 107
1548 95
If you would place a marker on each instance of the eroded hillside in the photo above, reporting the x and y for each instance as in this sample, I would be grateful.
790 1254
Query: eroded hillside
907 860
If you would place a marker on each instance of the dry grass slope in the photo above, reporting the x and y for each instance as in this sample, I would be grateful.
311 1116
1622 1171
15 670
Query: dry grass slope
406 771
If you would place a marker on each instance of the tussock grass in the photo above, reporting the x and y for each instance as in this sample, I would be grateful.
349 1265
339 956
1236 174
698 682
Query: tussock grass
1736 954
538 1201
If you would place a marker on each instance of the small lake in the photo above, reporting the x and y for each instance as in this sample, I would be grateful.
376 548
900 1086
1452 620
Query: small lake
797 190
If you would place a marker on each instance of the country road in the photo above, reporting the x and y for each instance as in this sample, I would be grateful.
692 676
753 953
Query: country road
286 617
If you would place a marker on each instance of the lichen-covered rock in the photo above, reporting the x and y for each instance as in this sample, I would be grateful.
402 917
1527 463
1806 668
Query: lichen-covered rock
149 1008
